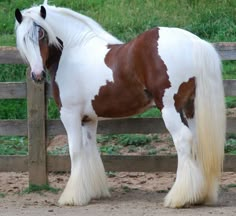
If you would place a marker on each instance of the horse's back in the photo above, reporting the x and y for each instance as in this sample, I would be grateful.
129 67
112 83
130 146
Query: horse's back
177 48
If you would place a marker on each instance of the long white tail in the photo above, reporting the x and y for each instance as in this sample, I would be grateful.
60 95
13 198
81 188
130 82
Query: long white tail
210 116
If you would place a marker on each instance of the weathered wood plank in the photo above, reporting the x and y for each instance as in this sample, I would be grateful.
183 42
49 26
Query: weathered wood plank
125 126
124 163
58 163
116 126
55 127
36 102
10 55
131 125
12 90
227 50
13 128
231 125
61 163
230 87
140 163
230 163
137 163
13 163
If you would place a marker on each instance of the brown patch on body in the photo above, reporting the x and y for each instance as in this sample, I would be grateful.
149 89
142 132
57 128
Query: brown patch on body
184 99
140 76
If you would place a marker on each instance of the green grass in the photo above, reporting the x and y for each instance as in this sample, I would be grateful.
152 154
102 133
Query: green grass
133 139
151 113
39 189
2 195
62 150
214 21
110 149
230 146
231 186
211 20
13 145
230 102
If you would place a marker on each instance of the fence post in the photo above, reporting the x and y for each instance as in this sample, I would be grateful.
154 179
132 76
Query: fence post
37 137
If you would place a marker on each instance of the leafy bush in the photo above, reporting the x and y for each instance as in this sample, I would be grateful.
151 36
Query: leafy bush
110 149
13 145
134 139
230 102
230 146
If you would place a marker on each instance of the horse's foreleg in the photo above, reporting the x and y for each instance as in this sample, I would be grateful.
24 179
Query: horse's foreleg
87 178
189 186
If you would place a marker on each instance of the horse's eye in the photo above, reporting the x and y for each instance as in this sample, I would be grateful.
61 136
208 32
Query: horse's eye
41 34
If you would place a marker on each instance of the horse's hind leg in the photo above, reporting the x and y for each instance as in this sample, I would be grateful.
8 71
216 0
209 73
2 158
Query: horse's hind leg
189 184
87 179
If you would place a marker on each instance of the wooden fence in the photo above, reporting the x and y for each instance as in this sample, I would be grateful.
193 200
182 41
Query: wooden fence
37 127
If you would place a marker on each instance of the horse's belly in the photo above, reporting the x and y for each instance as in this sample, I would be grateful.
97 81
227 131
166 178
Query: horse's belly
112 104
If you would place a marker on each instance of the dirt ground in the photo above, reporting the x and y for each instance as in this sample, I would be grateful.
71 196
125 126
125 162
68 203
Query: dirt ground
133 194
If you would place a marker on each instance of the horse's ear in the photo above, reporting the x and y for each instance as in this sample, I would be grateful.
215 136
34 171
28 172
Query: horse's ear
60 42
43 12
18 16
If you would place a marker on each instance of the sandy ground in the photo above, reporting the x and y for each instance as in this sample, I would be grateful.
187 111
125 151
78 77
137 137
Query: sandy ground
132 194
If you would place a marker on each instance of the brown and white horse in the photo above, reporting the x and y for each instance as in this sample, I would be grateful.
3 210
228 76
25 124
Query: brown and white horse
94 75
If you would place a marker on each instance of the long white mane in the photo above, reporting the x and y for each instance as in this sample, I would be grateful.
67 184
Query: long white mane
27 31
94 26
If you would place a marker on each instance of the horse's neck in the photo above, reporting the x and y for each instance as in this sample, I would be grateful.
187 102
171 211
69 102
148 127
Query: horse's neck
74 32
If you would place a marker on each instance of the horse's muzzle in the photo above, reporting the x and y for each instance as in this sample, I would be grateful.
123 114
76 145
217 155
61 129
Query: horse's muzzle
38 78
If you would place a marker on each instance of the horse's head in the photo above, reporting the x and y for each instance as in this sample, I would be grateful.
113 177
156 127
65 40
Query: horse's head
35 40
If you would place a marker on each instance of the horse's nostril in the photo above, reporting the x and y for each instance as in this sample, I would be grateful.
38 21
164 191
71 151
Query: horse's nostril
38 77
33 76
44 74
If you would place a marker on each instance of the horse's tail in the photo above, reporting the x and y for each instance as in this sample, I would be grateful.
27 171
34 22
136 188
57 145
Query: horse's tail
210 116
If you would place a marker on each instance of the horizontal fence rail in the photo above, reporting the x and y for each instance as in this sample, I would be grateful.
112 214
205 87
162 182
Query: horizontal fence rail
118 163
118 126
10 55
37 163
17 90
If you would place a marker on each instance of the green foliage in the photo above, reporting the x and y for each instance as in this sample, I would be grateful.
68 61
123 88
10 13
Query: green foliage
53 111
13 109
230 146
40 188
230 102
62 150
156 138
229 69
110 149
13 145
109 144
126 188
150 113
106 138
134 139
216 22
2 195
152 151
10 72
211 20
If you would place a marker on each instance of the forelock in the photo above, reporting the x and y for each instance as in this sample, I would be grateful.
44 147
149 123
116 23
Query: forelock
27 27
